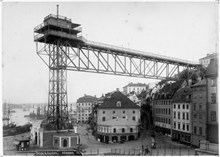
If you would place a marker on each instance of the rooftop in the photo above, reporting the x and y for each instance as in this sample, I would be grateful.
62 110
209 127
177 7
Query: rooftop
200 83
212 68
137 85
87 98
111 101
182 95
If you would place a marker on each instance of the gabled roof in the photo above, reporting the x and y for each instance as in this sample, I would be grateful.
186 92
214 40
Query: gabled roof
183 95
119 122
111 102
136 85
87 98
212 68
168 90
200 83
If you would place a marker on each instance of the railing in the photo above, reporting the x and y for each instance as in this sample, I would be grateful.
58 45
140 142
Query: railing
59 16
148 54
39 27
38 36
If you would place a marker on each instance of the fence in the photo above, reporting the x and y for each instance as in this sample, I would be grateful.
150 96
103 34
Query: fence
160 150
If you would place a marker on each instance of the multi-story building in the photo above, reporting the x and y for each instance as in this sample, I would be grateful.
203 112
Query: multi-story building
135 87
161 107
118 118
84 107
212 101
133 97
181 115
199 112
206 60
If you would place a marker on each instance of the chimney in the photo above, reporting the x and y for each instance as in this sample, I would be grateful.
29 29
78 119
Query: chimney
189 82
117 89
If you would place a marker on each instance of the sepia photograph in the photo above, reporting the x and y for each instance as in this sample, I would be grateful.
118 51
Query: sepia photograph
129 78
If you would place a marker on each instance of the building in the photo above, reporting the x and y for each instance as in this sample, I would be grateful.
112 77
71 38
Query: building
212 101
84 108
161 107
133 97
181 115
199 112
135 87
118 119
206 60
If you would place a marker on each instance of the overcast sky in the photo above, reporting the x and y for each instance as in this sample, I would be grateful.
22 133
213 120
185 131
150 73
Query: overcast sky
181 30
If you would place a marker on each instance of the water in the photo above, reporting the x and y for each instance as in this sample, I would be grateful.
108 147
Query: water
18 117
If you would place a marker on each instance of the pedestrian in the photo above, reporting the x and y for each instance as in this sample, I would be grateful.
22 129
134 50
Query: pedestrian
146 150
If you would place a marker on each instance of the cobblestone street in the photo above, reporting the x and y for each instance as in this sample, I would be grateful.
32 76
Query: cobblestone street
164 145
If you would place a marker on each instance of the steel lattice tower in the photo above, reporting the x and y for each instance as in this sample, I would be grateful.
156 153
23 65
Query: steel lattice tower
49 40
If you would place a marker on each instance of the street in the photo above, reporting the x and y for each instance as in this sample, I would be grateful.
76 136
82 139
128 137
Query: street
164 145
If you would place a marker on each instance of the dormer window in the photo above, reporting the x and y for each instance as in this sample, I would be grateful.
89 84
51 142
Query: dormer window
118 104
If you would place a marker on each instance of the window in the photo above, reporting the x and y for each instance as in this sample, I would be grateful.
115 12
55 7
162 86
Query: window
178 115
200 130
183 115
178 125
169 111
114 130
174 106
133 111
56 141
123 129
131 129
213 116
123 111
174 125
65 143
194 129
187 116
113 112
187 106
194 105
113 117
183 106
200 106
187 127
178 106
103 119
213 98
133 118
118 104
183 126
124 117
169 121
195 116
213 82
103 112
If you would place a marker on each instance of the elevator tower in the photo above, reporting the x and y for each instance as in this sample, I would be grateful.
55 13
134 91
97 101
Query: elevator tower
51 39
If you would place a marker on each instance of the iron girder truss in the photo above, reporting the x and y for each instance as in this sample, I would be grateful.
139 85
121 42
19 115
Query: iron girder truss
57 112
86 58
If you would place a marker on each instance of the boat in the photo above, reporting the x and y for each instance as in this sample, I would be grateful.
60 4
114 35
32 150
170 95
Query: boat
10 128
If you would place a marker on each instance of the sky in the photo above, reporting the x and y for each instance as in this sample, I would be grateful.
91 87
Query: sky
182 30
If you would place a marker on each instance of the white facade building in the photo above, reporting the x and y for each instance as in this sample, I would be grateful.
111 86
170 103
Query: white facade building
84 108
135 87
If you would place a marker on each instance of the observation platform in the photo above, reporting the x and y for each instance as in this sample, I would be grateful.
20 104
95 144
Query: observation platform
61 28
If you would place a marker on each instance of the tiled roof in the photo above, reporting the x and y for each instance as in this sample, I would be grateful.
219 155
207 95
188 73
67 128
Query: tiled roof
168 90
119 122
87 98
183 95
200 83
111 102
213 55
137 85
212 68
